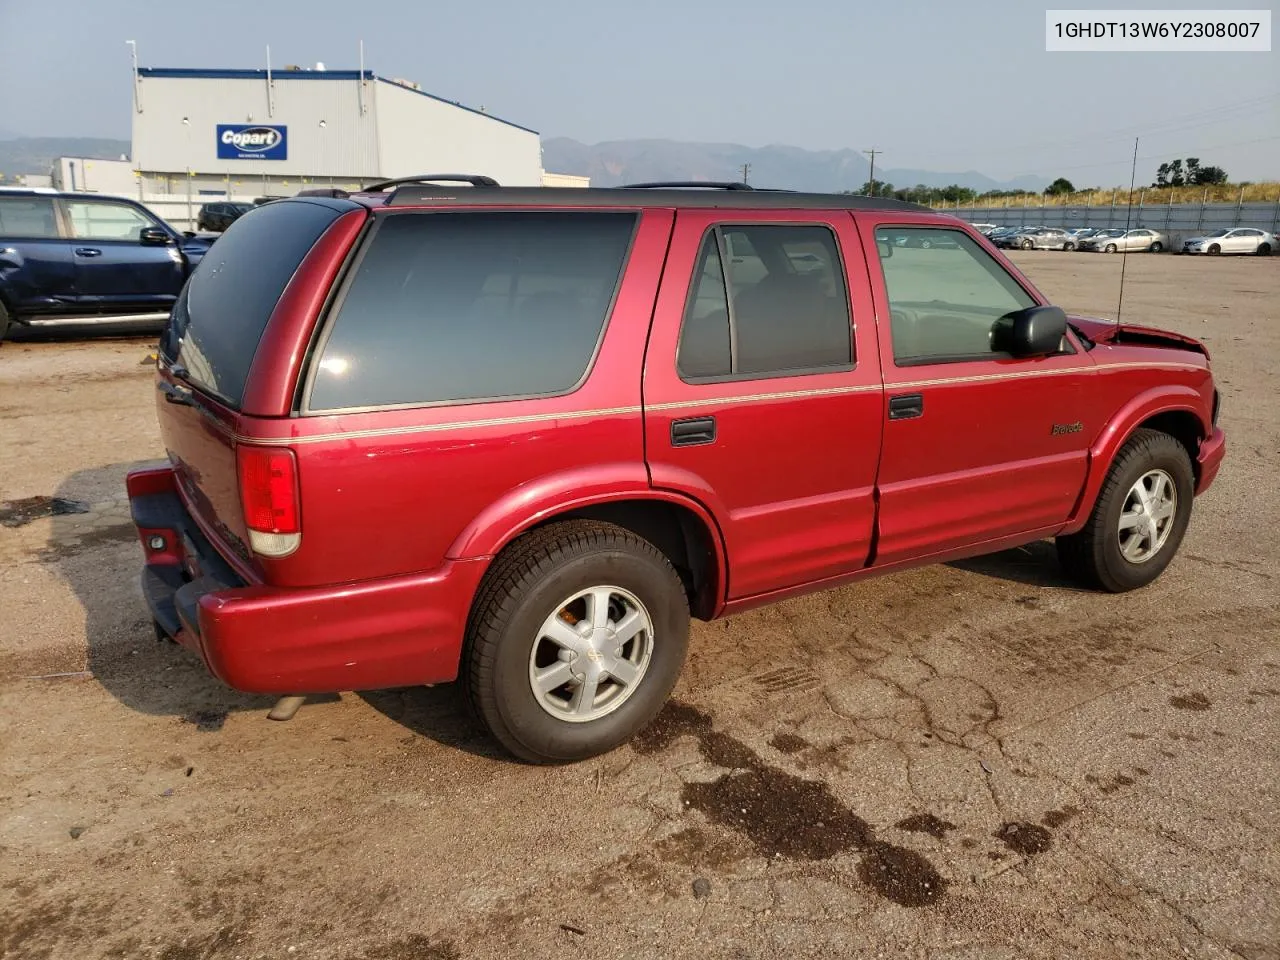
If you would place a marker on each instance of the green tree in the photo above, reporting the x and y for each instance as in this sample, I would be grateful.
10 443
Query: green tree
1193 169
1210 176
1060 186
1176 177
1162 175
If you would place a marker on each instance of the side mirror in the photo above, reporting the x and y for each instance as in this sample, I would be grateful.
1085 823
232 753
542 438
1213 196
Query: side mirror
154 236
885 248
1032 332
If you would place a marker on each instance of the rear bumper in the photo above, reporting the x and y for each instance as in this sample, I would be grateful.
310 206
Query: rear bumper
398 631
1210 458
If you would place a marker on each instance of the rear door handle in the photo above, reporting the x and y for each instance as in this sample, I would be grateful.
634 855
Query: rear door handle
906 406
88 252
693 432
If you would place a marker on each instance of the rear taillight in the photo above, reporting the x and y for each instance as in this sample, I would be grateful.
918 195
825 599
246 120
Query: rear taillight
269 496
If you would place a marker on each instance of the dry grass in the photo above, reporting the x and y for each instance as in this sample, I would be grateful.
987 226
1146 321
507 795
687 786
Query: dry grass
1145 196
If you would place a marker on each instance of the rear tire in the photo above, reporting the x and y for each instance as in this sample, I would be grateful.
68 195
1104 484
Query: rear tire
1264 249
1096 556
1156 247
533 619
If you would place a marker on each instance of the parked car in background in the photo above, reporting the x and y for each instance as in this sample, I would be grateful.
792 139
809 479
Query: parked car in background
1236 240
81 258
1118 241
1006 237
504 437
220 214
1078 234
983 228
1041 238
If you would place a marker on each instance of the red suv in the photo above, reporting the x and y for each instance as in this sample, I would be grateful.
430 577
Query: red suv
518 436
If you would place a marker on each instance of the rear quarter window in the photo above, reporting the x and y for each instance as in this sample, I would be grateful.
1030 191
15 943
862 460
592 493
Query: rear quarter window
223 309
469 306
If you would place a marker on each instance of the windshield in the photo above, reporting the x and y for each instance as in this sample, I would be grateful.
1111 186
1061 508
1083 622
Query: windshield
1111 233
1218 233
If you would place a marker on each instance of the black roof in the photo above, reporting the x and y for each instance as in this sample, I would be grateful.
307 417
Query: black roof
415 194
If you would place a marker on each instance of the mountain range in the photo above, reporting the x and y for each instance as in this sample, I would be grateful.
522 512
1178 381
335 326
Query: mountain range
636 161
621 161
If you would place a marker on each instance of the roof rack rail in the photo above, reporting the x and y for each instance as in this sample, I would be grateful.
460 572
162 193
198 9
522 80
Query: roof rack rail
705 184
476 180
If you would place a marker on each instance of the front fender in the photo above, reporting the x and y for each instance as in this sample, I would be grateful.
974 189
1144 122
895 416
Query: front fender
1172 398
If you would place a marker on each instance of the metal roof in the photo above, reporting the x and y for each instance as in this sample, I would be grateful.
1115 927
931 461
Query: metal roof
193 73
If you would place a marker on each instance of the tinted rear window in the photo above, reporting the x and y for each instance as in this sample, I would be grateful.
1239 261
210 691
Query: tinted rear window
471 306
224 307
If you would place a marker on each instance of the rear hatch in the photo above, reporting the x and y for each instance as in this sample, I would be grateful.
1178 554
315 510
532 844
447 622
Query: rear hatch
207 350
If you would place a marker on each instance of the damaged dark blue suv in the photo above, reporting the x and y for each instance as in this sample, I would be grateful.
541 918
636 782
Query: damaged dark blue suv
84 258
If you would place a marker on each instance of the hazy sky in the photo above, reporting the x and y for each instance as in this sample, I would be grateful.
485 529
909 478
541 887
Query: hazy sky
936 85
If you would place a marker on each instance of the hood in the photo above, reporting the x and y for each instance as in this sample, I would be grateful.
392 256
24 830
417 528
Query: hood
194 248
1105 331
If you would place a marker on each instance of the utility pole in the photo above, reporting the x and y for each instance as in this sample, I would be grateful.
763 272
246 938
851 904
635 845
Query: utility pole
872 152
746 169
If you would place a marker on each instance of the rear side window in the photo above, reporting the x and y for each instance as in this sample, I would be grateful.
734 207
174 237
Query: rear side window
766 301
223 309
28 218
472 306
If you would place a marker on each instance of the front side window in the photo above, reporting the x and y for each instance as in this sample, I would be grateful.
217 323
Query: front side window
28 218
456 307
766 300
96 220
945 301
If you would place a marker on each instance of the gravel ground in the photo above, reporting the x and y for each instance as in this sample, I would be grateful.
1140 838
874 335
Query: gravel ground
974 760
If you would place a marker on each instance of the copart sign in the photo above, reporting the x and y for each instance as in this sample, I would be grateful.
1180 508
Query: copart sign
249 141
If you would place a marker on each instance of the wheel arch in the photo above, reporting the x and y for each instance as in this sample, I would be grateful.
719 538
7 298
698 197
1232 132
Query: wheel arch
1175 410
681 527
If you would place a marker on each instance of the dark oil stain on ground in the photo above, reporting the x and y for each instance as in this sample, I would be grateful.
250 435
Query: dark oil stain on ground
1056 818
18 513
788 743
781 814
206 721
901 875
64 549
925 823
1190 701
1025 838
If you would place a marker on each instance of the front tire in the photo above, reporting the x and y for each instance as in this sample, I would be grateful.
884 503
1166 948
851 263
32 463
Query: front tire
1110 248
1139 518
1027 244
575 642
1215 249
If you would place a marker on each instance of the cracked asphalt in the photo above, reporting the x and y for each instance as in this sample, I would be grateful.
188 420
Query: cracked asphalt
974 760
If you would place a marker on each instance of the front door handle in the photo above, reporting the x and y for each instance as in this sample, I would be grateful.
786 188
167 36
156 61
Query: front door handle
906 406
693 432
88 252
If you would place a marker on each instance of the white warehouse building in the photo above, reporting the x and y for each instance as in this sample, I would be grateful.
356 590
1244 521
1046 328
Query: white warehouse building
274 132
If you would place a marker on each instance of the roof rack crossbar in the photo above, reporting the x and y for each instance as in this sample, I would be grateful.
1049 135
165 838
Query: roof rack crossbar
704 184
476 180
